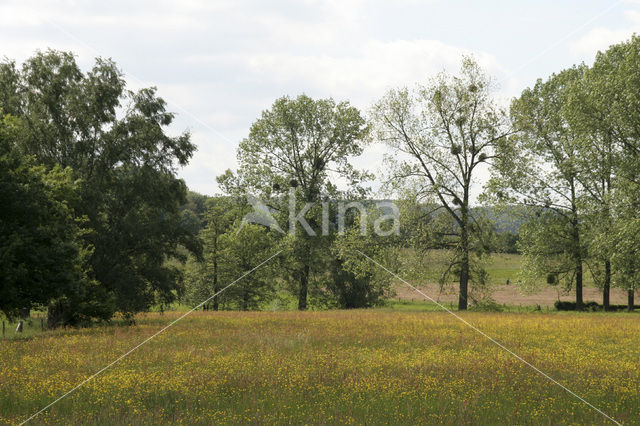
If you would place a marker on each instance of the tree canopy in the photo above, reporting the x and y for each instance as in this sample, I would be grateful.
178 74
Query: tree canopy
442 133
116 145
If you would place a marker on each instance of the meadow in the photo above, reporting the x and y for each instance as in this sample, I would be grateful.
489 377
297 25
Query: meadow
362 366
500 267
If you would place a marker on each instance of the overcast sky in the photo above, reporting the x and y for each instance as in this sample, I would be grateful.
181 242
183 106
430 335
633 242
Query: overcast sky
220 63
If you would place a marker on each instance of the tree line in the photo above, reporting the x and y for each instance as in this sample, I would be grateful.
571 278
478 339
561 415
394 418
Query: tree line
90 201
96 223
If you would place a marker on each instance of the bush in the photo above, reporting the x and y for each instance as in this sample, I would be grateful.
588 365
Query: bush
487 306
589 306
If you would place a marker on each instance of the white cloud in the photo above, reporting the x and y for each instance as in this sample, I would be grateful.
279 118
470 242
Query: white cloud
361 77
212 158
601 38
221 62
367 73
633 16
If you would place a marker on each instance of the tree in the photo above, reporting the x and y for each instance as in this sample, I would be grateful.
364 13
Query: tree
589 112
442 133
114 140
41 255
539 166
300 143
354 282
197 282
240 247
194 211
612 91
547 251
220 216
622 241
432 236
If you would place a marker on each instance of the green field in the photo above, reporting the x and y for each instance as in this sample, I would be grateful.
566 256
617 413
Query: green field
370 366
406 362
502 266
499 267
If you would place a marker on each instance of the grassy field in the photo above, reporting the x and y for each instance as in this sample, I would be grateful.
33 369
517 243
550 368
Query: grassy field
499 267
503 266
31 327
424 272
376 366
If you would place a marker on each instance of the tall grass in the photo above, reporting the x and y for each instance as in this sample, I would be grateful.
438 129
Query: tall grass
324 367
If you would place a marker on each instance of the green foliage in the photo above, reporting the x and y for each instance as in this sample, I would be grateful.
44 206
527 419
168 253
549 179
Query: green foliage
295 146
546 246
202 276
301 140
198 282
114 141
609 109
41 255
576 159
354 281
540 166
506 242
623 242
442 134
194 212
243 247
94 220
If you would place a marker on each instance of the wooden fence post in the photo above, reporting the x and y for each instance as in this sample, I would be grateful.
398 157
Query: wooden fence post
3 329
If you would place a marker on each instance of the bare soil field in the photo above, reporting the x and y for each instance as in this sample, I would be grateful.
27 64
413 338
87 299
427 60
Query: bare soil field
510 295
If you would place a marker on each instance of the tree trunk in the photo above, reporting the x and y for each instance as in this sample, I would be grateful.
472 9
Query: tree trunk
215 283
606 290
304 273
464 265
245 300
464 283
304 288
55 315
578 262
579 301
630 301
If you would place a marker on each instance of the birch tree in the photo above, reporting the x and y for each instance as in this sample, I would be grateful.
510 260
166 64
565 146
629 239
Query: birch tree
441 135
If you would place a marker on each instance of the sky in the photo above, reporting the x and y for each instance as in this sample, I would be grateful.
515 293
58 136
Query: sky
218 64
